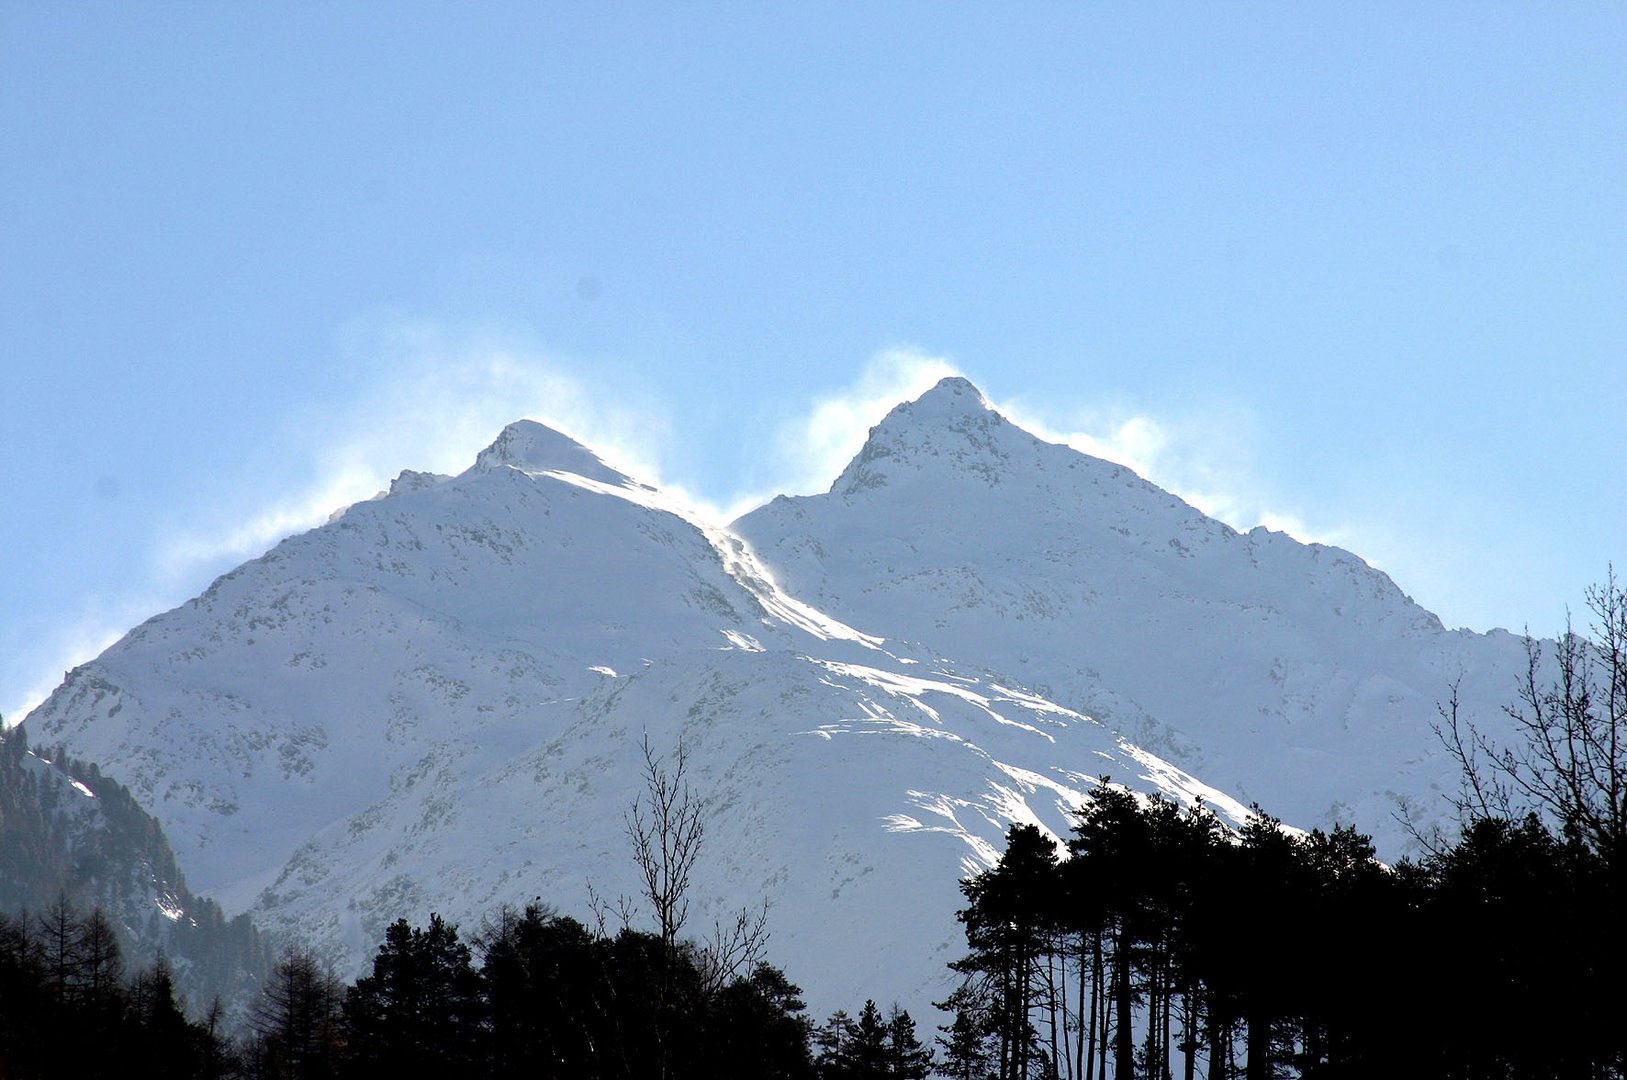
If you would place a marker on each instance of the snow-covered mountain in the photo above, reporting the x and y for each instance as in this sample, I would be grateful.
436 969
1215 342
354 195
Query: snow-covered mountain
436 701
1288 673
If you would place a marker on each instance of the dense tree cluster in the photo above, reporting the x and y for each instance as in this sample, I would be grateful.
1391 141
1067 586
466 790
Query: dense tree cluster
68 1009
872 1047
547 998
1164 943
1161 940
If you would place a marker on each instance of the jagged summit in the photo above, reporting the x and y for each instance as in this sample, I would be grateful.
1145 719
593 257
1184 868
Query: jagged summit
532 447
953 396
414 480
950 428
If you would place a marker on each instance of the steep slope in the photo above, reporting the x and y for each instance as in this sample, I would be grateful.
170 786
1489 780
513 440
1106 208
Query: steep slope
69 834
435 702
1292 674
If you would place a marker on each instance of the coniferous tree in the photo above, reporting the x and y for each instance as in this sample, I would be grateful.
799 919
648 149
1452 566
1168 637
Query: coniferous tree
26 1005
965 1040
549 996
164 1042
1109 845
420 1009
60 935
79 1019
295 1021
867 1057
907 1057
833 1042
756 1030
100 974
1010 912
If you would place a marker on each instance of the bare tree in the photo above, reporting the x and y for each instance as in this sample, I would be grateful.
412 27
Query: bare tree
605 914
665 825
735 947
1569 759
101 971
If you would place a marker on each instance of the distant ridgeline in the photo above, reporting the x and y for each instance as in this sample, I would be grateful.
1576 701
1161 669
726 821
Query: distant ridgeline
69 834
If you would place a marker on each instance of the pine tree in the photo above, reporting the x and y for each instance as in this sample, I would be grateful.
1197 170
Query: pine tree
1009 916
867 1052
548 994
965 1040
907 1058
833 1043
1109 856
756 1031
421 1007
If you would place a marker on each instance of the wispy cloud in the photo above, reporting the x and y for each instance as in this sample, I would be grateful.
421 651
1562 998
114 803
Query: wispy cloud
68 644
812 448
451 394
447 399
1207 459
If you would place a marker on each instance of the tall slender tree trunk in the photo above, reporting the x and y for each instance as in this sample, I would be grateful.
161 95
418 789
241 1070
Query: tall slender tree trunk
1150 1049
1189 1033
1082 1065
1004 1014
1217 1052
1107 1022
1164 1036
1124 1053
1259 1045
1057 989
1095 1002
1019 1023
1025 989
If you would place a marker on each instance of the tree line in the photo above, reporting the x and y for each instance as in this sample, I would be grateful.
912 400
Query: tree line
1159 942
1165 945
533 994
69 1008
550 998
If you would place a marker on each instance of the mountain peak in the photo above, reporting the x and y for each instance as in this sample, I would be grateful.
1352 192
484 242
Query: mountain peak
532 447
953 396
952 423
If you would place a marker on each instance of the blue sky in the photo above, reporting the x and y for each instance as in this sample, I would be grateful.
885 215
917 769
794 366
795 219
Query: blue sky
1359 271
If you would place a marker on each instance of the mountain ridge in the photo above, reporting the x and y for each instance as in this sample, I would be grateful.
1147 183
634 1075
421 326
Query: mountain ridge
434 701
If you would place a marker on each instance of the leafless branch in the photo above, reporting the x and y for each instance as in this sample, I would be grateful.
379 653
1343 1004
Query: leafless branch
735 948
666 825
624 912
1568 761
